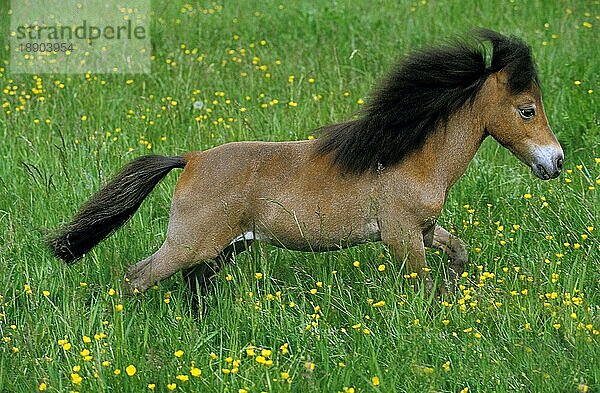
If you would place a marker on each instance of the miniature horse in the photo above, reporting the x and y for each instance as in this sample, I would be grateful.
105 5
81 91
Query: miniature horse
382 177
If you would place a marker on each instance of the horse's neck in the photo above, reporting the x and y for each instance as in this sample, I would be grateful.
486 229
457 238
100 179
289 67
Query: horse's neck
447 152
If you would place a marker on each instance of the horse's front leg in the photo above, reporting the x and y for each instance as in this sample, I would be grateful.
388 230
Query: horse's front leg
443 240
408 246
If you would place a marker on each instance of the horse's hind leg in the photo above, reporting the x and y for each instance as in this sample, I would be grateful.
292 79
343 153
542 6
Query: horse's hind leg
453 247
200 278
172 257
166 261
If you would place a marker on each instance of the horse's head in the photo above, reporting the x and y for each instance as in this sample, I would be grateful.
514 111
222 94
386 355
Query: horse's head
514 113
518 122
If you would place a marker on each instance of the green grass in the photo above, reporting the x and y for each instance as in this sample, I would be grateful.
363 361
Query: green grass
526 318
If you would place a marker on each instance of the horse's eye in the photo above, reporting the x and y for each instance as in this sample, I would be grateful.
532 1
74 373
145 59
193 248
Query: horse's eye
527 113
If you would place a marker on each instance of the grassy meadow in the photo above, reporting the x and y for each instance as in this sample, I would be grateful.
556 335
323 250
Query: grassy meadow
526 317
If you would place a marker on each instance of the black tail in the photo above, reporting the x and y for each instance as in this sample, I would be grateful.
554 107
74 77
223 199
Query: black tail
112 206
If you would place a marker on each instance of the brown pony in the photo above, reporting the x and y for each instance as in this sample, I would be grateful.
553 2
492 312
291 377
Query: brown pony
384 176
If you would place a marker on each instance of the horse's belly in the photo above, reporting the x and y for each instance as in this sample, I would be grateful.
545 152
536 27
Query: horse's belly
303 236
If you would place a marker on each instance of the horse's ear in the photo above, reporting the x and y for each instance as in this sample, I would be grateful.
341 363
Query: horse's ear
501 77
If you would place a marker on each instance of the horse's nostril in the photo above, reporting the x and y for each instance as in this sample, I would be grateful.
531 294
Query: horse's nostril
559 163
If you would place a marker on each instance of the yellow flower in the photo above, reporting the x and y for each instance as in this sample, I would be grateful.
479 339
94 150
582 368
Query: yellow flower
284 349
381 267
375 380
178 353
86 339
380 303
172 386
151 386
426 370
182 377
258 276
130 370
285 375
76 378
196 372
446 366
360 101
119 307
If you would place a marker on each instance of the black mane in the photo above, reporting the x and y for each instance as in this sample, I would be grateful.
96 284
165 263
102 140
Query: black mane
421 92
